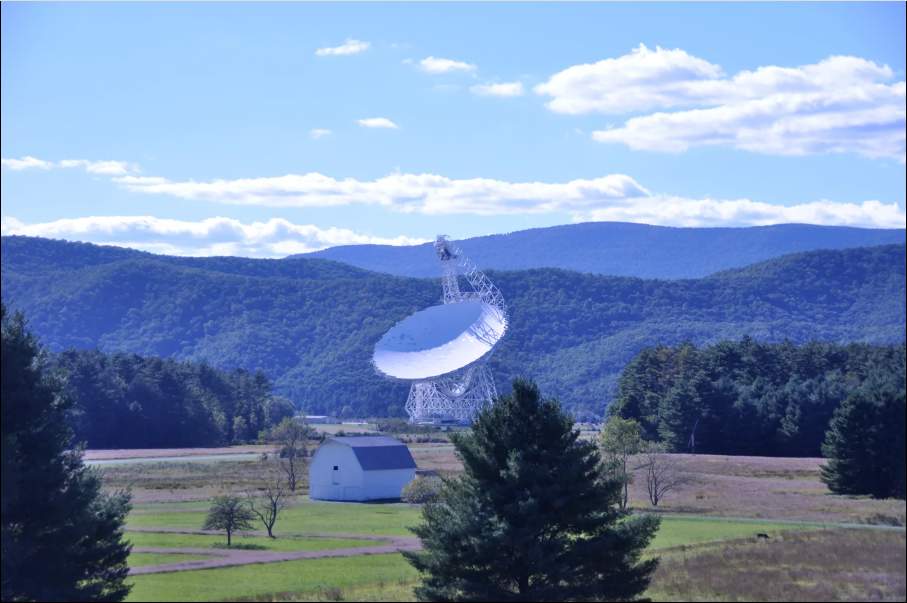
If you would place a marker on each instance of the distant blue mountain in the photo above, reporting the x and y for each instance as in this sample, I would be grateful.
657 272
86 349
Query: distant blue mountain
619 249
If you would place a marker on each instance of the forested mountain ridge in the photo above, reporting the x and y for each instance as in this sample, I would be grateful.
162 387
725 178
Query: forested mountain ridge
572 332
620 249
34 256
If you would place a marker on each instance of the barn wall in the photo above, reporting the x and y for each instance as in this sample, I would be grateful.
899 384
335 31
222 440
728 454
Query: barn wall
321 474
386 484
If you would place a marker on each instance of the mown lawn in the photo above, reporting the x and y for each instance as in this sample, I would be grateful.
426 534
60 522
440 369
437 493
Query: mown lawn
144 559
258 543
340 573
309 518
251 580
682 531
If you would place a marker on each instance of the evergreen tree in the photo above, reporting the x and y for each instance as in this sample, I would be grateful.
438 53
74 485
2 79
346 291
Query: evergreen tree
865 444
62 538
679 413
533 518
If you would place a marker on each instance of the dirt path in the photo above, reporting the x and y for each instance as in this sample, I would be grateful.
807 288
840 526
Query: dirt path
228 557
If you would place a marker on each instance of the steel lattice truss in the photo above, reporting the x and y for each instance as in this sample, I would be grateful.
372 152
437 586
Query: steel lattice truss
457 397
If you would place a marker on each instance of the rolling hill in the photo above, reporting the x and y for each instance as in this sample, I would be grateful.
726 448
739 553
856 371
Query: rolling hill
619 249
312 328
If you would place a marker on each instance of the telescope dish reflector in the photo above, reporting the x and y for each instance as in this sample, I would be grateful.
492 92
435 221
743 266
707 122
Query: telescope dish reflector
440 340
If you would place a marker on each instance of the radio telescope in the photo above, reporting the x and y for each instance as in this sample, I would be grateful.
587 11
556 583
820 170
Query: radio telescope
443 349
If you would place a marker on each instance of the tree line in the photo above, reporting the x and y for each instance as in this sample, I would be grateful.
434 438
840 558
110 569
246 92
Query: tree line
751 398
129 401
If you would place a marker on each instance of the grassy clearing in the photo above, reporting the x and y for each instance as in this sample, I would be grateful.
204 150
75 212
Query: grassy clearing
255 543
254 580
144 559
828 565
309 518
676 532
179 506
352 578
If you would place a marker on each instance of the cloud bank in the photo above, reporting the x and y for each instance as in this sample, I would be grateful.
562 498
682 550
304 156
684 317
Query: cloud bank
840 104
214 236
110 168
351 47
616 197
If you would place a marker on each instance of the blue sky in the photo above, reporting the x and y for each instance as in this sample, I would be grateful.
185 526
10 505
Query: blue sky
245 128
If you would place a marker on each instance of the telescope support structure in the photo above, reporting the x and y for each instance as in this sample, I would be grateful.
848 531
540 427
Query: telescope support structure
456 398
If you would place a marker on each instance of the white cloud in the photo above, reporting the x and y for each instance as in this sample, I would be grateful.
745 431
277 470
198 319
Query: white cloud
318 133
642 80
409 193
616 197
140 180
214 236
507 89
109 168
433 65
351 47
840 104
667 210
377 122
26 163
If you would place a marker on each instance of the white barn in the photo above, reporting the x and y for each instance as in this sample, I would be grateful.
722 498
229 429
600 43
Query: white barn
360 468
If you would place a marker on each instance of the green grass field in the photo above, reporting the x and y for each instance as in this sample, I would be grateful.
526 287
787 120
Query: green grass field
259 543
677 532
309 518
144 559
251 580
311 575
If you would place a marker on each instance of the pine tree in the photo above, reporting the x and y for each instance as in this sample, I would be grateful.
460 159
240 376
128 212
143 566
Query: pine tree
533 518
62 538
865 444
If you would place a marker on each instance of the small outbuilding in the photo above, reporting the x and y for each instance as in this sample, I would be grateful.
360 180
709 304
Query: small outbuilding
360 468
321 420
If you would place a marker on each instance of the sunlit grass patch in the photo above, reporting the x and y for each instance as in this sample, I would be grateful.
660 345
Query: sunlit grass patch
145 559
260 580
682 531
309 518
256 543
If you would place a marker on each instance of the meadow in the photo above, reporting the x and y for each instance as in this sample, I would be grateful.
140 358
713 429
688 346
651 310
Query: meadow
707 536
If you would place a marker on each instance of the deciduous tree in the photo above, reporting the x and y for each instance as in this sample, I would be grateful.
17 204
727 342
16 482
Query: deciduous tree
229 515
662 472
290 439
271 497
619 441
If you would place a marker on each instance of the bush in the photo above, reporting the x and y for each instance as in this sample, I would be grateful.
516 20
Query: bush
421 490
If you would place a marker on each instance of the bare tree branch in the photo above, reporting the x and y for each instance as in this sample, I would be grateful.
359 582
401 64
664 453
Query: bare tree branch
663 472
270 499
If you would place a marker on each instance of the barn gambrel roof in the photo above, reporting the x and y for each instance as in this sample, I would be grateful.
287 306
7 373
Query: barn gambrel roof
379 453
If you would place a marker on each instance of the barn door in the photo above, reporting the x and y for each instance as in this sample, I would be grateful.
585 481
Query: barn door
336 475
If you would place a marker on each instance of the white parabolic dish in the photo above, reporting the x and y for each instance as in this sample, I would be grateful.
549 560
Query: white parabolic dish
439 340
